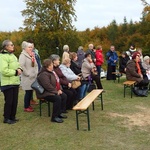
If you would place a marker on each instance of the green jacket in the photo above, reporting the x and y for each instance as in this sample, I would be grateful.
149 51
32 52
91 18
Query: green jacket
8 66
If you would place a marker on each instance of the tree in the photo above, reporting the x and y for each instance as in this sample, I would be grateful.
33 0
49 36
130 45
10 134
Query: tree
146 11
49 14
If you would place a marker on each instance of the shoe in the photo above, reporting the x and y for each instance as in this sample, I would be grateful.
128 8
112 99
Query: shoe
65 112
33 102
57 119
30 107
28 110
9 121
16 120
104 91
62 116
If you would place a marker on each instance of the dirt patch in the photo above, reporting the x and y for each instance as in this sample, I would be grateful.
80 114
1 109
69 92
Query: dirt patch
141 119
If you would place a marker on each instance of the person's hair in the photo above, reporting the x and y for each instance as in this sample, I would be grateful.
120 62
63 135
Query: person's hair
66 48
66 61
25 44
80 48
47 63
91 46
139 49
146 58
99 47
5 43
86 55
73 55
54 57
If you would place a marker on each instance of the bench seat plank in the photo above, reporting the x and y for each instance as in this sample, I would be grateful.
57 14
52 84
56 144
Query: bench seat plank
85 102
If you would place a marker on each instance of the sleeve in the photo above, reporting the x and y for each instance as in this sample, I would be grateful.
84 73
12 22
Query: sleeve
5 70
22 62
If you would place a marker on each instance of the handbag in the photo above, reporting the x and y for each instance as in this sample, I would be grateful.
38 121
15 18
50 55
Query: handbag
92 86
37 87
75 84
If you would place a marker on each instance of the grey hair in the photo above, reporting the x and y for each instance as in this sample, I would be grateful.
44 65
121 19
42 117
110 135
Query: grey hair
5 43
25 44
54 57
91 46
66 48
80 48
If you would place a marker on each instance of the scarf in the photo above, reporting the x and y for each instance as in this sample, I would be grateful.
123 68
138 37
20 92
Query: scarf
57 81
138 67
32 55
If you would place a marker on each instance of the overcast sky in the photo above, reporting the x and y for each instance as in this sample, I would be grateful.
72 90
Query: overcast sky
90 13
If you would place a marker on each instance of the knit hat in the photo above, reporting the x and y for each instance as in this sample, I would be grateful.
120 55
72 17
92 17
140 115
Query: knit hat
146 57
135 54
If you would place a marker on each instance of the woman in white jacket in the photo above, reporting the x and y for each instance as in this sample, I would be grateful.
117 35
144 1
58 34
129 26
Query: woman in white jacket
30 70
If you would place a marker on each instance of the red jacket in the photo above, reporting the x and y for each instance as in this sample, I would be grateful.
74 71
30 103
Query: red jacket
99 58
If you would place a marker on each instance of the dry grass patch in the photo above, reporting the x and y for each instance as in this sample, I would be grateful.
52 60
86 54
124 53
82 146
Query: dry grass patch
140 118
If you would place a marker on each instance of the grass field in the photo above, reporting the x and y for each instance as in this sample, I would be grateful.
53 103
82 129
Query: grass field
124 124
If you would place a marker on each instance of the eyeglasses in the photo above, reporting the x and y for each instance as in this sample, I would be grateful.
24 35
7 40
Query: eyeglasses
10 45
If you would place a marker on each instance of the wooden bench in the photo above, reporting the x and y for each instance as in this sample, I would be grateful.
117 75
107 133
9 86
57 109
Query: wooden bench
129 84
82 107
118 75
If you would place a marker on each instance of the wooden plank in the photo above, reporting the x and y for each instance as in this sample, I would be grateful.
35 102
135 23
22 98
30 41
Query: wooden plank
129 82
86 101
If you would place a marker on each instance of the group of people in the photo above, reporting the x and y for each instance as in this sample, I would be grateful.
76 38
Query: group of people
133 64
56 78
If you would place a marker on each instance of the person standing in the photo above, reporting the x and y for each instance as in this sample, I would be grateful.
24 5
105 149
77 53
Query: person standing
30 70
80 55
10 81
38 60
112 59
91 51
99 58
65 53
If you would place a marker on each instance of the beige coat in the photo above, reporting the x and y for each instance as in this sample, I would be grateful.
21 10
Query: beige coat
29 73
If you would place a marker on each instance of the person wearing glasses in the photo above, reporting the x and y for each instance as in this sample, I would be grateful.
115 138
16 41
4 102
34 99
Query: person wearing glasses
10 71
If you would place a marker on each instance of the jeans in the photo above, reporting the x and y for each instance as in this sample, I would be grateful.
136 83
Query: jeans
99 70
81 91
27 97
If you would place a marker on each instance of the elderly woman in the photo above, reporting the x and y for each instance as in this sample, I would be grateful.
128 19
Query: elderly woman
10 71
134 72
49 80
71 76
65 53
30 70
89 71
66 85
146 65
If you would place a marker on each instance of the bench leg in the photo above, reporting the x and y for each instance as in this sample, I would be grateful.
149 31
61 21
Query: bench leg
93 105
49 113
124 90
131 90
101 98
40 106
77 119
88 119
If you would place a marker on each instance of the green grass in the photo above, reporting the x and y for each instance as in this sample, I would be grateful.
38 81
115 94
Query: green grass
124 124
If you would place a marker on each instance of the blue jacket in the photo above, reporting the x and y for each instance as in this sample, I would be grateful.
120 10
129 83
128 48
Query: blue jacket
111 57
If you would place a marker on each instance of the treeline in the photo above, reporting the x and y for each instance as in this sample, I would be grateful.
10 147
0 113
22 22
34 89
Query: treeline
121 36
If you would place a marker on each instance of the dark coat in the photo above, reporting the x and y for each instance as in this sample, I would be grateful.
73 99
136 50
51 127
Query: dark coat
62 78
75 68
48 81
132 72
122 63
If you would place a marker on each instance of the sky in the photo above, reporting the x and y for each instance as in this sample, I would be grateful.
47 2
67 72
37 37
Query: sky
90 13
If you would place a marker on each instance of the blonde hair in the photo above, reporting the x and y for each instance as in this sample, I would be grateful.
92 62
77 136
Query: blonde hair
66 61
66 48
